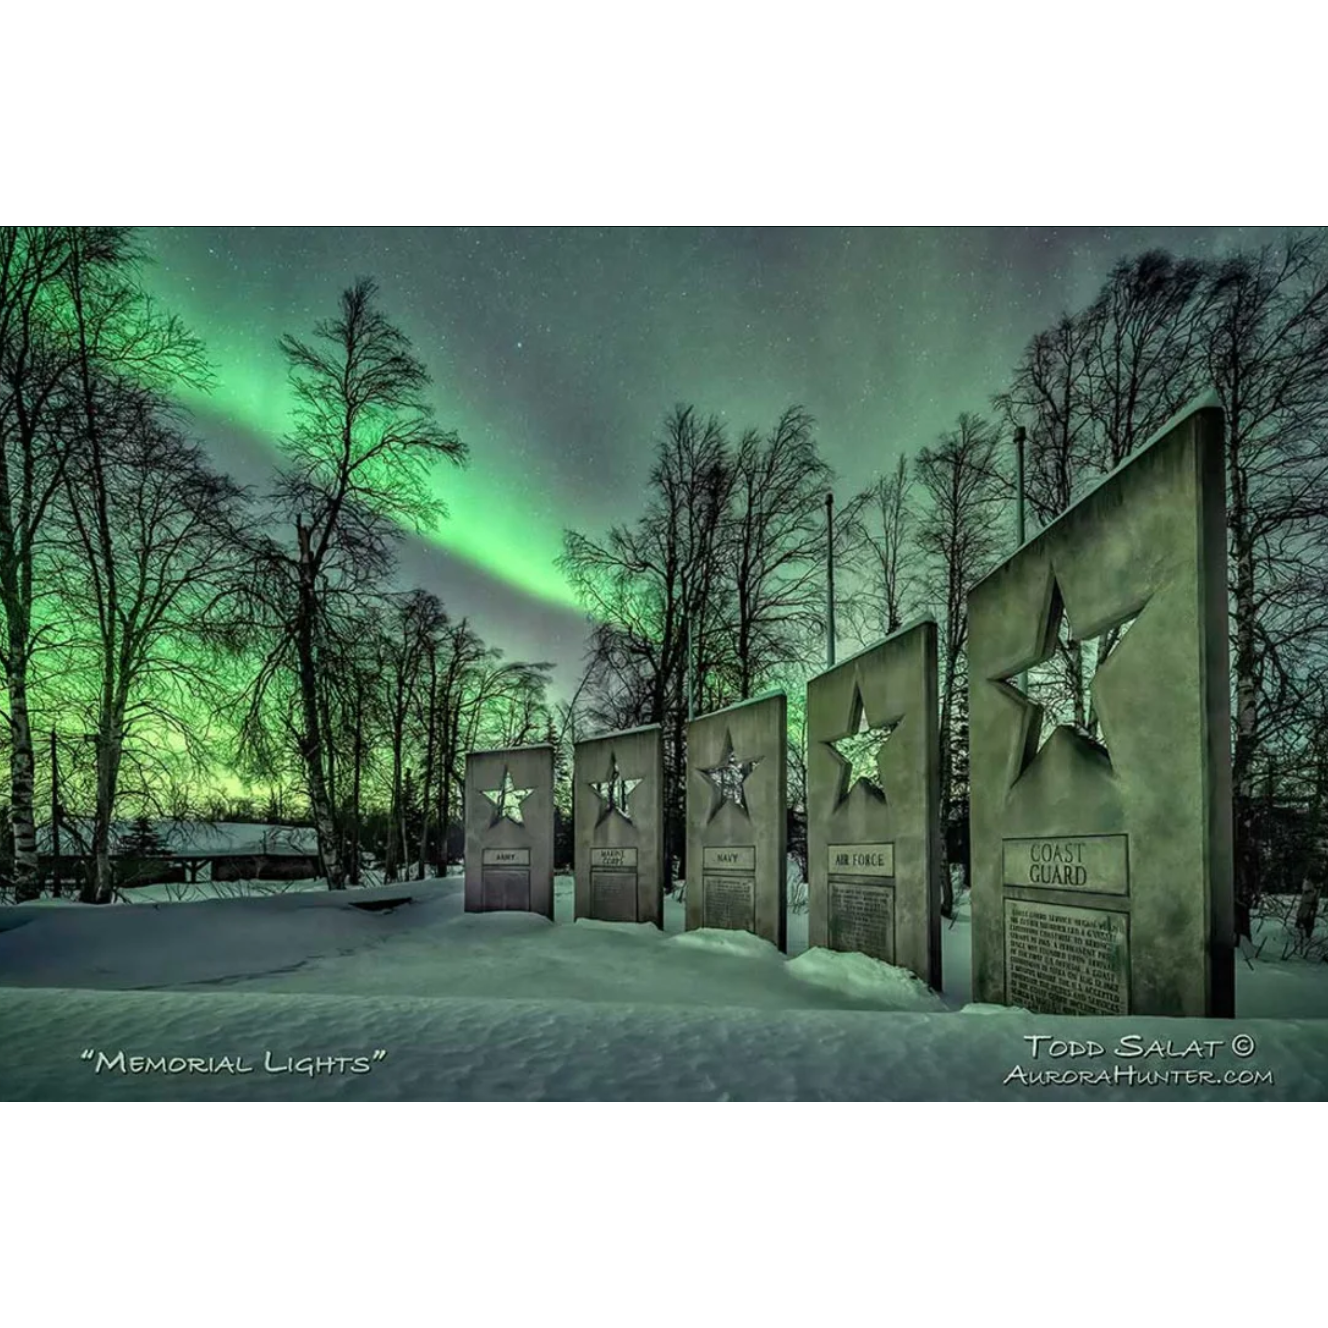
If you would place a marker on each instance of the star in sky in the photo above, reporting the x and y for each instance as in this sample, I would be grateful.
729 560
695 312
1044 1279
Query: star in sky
614 792
507 800
728 778
859 750
1046 685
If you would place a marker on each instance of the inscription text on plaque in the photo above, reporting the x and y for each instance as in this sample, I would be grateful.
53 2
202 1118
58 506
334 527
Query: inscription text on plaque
505 888
862 918
1061 960
613 895
729 901
728 888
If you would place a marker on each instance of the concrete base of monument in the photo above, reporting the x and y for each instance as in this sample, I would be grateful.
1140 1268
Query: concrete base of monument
511 1005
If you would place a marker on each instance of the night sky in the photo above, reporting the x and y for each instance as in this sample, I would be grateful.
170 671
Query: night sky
556 353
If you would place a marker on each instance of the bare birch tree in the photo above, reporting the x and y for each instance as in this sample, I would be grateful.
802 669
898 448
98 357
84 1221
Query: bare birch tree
960 536
881 556
71 313
154 549
358 471
772 557
1266 337
653 589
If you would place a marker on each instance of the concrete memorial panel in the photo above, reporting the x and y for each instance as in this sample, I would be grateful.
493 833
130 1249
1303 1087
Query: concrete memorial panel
618 818
509 830
1102 845
737 830
873 804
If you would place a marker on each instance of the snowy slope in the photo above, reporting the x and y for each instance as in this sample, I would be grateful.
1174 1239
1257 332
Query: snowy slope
513 1006
464 1049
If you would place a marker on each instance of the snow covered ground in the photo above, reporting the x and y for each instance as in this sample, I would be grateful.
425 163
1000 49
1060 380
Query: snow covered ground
295 992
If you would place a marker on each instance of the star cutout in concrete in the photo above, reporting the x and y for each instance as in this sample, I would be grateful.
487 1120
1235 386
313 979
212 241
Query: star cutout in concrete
728 778
1047 687
507 800
859 750
614 792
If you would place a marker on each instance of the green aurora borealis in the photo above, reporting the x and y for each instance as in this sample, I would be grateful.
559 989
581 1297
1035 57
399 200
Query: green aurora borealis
555 353
251 393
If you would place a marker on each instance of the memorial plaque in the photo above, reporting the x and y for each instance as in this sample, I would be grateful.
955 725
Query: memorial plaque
862 918
507 857
613 895
623 859
738 859
1101 823
505 889
509 830
1062 960
861 860
873 804
737 832
1098 864
729 901
618 826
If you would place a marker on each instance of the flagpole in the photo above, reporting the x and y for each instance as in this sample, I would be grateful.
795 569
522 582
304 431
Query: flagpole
689 671
829 580
1020 437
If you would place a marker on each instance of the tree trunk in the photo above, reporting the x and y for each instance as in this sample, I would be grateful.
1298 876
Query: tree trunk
110 752
1074 669
744 648
429 745
1246 742
357 759
1307 911
56 883
390 855
444 818
675 834
404 827
330 765
27 876
109 747
946 763
311 742
99 873
452 734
